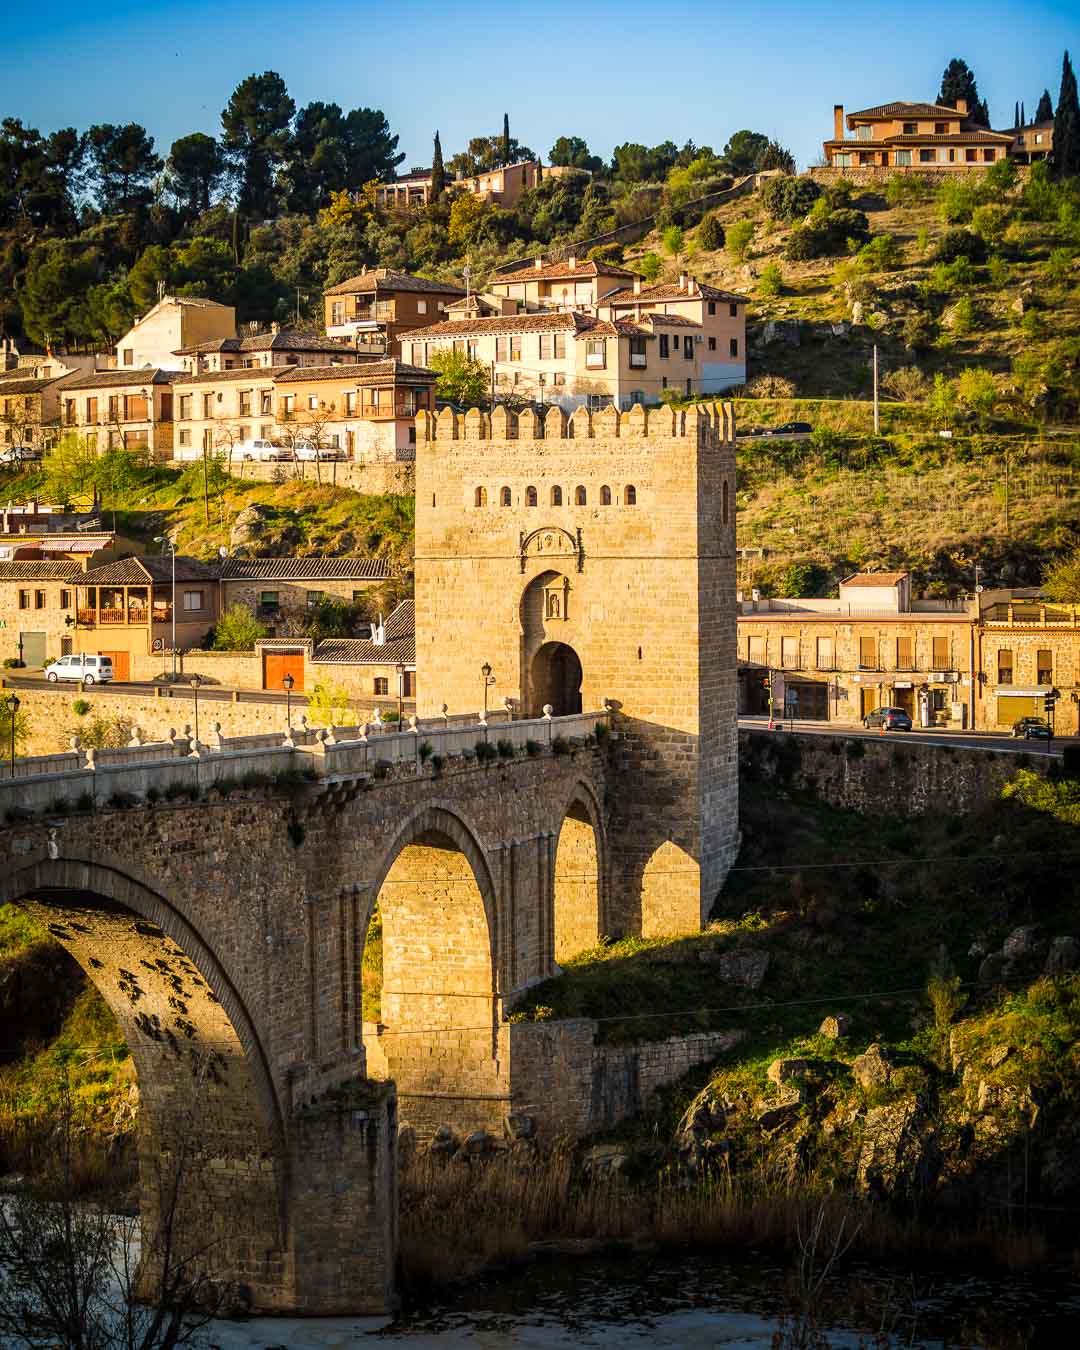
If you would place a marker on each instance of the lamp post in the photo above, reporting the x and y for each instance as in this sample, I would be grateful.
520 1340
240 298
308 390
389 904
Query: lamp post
400 668
489 680
171 544
196 681
13 709
287 684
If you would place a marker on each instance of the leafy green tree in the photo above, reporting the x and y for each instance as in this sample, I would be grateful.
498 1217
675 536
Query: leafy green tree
710 235
943 400
328 705
122 166
958 82
23 728
673 240
990 222
977 392
39 175
1066 155
960 244
635 163
237 630
1059 265
470 218
651 266
52 299
919 332
572 152
156 263
963 318
110 311
1045 111
371 147
331 151
771 281
777 157
788 198
256 123
744 152
1061 580
195 171
461 378
438 170
739 236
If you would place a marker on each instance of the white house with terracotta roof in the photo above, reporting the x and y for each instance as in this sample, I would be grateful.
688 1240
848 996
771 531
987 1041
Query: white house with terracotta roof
261 351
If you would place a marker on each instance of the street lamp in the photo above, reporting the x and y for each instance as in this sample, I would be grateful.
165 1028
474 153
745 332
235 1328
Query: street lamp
13 709
287 684
489 680
171 543
400 692
196 681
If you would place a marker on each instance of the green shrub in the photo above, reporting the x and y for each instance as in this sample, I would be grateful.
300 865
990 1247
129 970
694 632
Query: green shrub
650 266
560 746
1059 265
963 317
806 242
437 762
787 198
505 748
485 752
674 240
956 244
771 281
881 254
739 237
990 222
81 706
905 189
957 200
237 630
425 751
710 235
533 748
999 272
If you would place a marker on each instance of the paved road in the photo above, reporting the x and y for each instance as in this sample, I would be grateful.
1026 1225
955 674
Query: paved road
148 689
971 740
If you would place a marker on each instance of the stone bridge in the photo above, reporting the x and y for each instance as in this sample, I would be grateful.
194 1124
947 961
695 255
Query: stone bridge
220 901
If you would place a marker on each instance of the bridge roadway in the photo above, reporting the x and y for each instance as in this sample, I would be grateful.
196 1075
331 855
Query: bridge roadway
969 740
221 901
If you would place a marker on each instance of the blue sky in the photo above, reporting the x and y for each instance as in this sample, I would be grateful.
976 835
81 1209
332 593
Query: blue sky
610 72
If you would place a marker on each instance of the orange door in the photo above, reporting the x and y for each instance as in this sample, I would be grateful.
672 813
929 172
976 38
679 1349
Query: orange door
276 665
121 664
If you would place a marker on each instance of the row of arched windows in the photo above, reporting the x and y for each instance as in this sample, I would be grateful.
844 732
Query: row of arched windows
581 496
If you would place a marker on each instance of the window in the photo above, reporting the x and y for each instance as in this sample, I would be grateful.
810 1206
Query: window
675 341
129 356
472 349
65 599
480 497
595 354
911 129
825 659
184 436
941 129
266 402
91 410
864 133
1044 666
733 310
24 599
630 495
505 498
903 654
69 412
868 653
580 496
789 653
688 348
733 347
712 306
560 346
40 600
556 496
502 349
755 651
940 654
530 496
712 344
268 601
313 402
515 349
208 405
605 495
337 312
350 403
193 600
382 685
1005 666
927 156
989 155
185 406
547 346
421 306
638 355
665 346
245 402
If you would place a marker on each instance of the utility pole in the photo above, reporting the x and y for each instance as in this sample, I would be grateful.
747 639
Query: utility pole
877 418
493 386
1006 490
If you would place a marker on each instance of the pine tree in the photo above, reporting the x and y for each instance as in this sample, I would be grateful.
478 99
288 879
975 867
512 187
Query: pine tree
1045 111
1067 125
438 171
958 82
506 139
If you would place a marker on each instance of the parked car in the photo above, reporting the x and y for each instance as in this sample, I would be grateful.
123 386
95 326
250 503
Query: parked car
1031 729
16 454
88 669
789 429
257 449
305 450
892 719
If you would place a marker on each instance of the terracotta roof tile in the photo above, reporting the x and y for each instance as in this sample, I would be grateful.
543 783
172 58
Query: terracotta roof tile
39 569
586 267
252 374
364 372
268 342
874 579
108 379
400 644
901 109
672 291
556 321
304 569
387 279
141 571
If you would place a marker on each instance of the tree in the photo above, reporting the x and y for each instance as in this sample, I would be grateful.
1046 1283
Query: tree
123 165
958 82
328 705
1045 111
1067 125
744 152
155 264
438 171
771 281
256 125
1016 115
739 236
237 630
788 198
572 152
370 147
504 148
977 392
673 240
22 729
710 235
39 175
777 157
651 266
462 379
52 299
194 171
469 217
1061 580
942 400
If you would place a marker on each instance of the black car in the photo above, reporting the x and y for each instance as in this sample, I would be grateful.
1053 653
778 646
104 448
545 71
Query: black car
1031 729
790 429
892 719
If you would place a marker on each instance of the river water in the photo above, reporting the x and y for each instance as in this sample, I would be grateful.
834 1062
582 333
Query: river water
695 1301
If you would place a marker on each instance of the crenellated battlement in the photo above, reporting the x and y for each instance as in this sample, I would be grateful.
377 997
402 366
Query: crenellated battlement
705 423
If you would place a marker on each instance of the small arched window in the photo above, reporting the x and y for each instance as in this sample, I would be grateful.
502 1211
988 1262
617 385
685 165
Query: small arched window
630 495
504 497
580 497
605 495
556 496
530 496
481 496
724 505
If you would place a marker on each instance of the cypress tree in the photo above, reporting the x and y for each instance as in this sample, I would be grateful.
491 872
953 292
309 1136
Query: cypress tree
1045 111
1023 115
438 171
958 82
1016 115
1067 125
506 139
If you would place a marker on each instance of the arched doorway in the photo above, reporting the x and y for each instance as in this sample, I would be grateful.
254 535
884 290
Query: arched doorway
555 679
576 889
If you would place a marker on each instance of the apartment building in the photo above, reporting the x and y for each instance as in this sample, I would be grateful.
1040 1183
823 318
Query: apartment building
37 608
120 410
366 409
373 310
571 283
1025 648
262 351
913 136
502 186
175 321
30 408
1032 142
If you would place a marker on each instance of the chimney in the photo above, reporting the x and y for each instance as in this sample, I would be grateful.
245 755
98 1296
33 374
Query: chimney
538 263
571 262
838 121
637 285
691 286
682 281
961 106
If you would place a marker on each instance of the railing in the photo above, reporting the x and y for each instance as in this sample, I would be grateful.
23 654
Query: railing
146 771
104 617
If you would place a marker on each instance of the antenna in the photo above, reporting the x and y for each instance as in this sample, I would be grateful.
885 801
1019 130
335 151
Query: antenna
161 288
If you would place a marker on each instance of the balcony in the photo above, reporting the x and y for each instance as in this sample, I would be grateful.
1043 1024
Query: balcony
638 360
117 616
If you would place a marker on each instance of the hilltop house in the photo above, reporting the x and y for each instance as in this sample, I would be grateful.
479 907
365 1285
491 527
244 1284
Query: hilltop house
502 186
916 136
374 309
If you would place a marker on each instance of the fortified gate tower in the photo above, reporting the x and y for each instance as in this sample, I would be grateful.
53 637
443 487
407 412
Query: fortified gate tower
591 559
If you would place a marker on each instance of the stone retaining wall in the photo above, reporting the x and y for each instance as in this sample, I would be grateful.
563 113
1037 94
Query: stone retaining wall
375 480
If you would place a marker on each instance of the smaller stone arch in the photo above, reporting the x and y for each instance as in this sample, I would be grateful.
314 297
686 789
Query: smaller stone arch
581 496
630 495
579 880
480 497
505 497
556 495
530 496
605 495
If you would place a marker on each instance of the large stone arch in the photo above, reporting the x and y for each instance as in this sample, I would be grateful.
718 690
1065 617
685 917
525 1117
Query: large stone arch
438 1035
208 1109
579 883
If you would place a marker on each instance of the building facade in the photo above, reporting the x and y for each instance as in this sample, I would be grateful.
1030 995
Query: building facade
373 310
502 186
37 609
120 410
1032 142
175 321
263 351
30 409
284 591
913 136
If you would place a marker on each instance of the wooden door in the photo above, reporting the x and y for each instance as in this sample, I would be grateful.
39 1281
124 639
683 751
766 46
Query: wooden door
121 664
276 665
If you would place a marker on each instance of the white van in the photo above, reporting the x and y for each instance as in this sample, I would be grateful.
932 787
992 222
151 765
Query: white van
88 669
261 450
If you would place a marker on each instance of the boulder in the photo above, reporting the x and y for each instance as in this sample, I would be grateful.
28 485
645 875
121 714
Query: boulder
744 966
1021 942
1062 957
998 1055
783 1070
856 312
778 1114
444 1144
835 1027
781 330
898 1151
872 1069
840 330
479 1142
605 1160
992 969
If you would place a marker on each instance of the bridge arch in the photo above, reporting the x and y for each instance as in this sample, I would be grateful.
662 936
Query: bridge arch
579 882
208 1109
